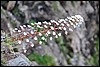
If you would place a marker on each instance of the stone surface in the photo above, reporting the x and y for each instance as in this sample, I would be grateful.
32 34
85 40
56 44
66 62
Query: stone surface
21 60
77 41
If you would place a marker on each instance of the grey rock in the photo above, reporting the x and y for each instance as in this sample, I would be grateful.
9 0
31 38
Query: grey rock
21 60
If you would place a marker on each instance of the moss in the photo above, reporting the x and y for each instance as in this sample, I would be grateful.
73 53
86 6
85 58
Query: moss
59 40
13 23
15 10
43 60
2 63
96 54
64 48
54 5
94 59
73 3
32 21
8 40
97 44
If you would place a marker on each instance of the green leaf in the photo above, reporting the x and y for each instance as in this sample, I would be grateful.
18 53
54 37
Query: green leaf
43 60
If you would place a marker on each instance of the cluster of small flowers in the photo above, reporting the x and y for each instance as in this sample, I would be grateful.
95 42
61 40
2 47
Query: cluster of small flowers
25 32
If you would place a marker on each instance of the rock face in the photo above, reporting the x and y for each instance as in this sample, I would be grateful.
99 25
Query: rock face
20 60
77 46
53 50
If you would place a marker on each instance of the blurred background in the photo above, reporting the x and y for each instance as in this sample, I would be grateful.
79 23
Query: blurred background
78 48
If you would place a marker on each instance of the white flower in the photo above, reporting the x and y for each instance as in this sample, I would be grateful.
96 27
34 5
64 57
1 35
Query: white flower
25 33
56 36
54 33
25 51
49 23
39 23
74 26
24 25
19 42
32 32
64 28
44 22
13 31
66 19
76 23
40 42
48 32
24 47
19 31
76 18
32 24
50 38
29 26
79 17
40 34
60 28
27 40
70 29
73 19
69 18
38 26
66 32
68 24
57 23
71 22
59 34
16 28
53 21
73 16
43 38
35 38
61 20
45 26
32 45
52 27
62 24
36 23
